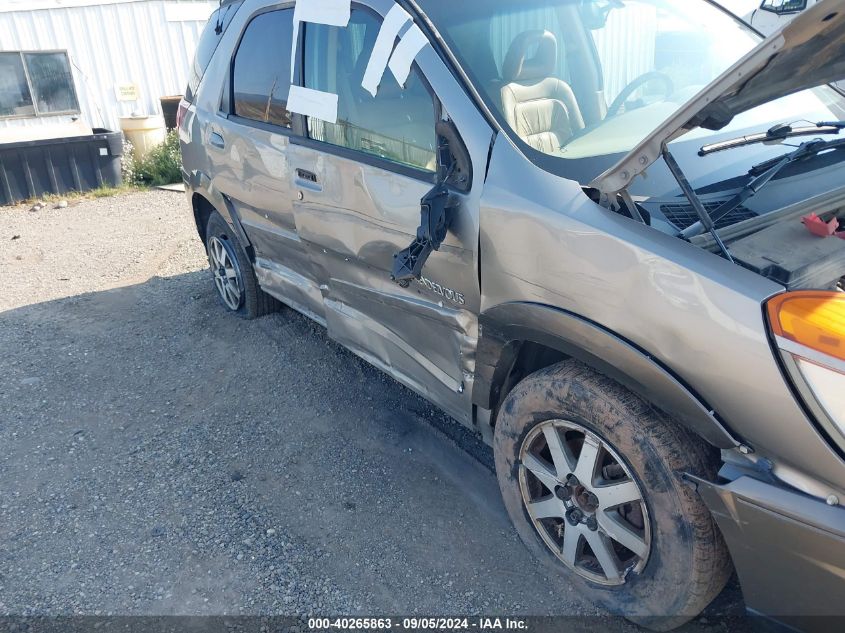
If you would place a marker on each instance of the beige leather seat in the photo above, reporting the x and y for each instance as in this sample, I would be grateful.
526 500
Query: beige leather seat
540 108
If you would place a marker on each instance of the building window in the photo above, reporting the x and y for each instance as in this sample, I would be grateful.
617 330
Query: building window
36 84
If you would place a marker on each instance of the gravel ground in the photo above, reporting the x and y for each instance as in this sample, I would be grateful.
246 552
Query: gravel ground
161 457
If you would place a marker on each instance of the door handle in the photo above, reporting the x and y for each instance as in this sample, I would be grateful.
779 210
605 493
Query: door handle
308 176
216 140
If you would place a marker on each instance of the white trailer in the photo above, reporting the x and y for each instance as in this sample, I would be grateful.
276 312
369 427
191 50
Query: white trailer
772 14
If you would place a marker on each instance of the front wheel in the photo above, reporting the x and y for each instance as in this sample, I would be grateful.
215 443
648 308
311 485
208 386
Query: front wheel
592 479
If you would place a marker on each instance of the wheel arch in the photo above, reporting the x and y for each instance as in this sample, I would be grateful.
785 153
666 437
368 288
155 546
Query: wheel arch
206 199
203 209
516 339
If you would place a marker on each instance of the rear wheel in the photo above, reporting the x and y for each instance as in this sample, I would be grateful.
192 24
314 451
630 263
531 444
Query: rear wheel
235 281
592 479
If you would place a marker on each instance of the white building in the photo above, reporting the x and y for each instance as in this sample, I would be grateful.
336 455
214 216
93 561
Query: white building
740 7
93 60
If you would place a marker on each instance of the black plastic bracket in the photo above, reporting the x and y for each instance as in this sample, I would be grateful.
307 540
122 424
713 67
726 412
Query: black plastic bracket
436 211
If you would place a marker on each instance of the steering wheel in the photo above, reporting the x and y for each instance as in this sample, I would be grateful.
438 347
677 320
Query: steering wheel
635 85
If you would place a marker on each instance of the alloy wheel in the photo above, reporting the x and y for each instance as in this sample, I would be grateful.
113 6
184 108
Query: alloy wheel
584 502
227 273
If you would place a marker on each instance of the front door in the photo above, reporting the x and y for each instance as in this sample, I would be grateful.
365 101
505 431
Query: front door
358 182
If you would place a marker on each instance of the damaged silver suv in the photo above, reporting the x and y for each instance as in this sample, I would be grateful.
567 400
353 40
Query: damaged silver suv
602 233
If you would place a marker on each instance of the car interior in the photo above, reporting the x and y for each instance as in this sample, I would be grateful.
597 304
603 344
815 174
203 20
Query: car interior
540 108
563 76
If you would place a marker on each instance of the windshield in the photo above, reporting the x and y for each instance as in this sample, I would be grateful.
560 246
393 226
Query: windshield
585 78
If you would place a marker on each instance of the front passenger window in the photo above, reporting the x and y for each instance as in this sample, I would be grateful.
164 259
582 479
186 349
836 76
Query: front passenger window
397 124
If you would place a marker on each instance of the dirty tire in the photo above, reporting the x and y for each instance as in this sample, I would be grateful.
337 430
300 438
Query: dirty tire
688 563
254 302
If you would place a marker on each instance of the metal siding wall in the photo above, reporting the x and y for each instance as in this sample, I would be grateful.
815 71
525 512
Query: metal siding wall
626 47
108 45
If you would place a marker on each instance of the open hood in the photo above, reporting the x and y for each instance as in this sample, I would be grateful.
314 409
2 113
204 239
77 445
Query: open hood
805 53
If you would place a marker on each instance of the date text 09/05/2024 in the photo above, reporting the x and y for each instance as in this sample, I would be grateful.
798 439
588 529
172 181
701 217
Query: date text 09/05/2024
418 624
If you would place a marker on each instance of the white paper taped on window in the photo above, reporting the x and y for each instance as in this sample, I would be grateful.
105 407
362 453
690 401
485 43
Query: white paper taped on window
406 51
330 12
313 103
323 105
395 19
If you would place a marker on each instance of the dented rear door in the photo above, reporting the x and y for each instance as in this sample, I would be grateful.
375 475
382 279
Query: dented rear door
249 143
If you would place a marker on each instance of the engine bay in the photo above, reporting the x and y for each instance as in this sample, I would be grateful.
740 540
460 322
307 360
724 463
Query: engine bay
767 221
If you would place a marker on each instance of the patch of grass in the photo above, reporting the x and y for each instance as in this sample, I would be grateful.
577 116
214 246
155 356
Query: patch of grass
107 192
161 166
51 199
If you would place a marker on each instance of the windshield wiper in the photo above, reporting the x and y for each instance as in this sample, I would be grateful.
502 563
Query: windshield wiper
778 132
767 171
818 143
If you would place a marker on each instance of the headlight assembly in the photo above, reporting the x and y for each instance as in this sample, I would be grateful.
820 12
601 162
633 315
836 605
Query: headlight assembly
809 330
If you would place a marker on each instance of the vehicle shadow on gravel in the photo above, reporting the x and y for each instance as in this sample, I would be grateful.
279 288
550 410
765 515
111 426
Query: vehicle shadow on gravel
161 456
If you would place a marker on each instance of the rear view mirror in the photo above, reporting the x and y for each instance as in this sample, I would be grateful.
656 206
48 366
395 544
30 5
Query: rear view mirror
594 13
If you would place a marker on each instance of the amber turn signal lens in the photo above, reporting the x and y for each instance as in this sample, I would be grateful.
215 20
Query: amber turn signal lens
813 318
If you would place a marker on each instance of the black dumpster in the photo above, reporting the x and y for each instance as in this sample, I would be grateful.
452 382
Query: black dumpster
29 169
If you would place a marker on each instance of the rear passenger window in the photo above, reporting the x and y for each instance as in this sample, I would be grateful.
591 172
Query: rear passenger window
397 124
210 38
261 72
